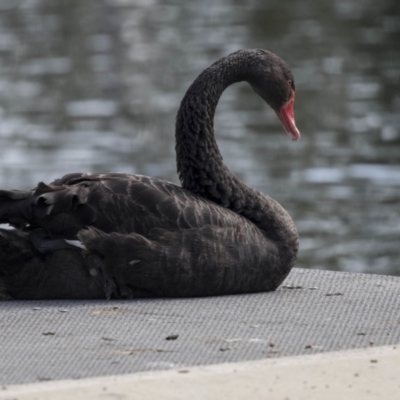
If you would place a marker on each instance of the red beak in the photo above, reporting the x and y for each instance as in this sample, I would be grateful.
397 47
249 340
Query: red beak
286 116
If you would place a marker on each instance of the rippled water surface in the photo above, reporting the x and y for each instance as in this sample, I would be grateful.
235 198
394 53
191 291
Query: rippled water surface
94 86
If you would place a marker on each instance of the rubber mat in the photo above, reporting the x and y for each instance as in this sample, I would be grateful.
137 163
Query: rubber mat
313 311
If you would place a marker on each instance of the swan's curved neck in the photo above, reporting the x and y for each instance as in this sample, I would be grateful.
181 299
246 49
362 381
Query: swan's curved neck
199 161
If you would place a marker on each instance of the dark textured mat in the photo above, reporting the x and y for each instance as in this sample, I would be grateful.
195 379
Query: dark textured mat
319 311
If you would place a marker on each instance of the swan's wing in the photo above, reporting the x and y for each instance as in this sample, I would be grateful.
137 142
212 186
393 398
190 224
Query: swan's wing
204 261
112 203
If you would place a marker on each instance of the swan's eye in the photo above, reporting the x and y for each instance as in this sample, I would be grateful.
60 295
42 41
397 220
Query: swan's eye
291 83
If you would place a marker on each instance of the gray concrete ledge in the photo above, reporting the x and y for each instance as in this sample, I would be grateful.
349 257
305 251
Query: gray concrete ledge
313 312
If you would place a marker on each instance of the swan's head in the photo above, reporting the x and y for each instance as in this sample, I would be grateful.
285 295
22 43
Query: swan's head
273 81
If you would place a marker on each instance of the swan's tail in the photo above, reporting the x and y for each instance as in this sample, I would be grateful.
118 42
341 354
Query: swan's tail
33 266
13 207
57 209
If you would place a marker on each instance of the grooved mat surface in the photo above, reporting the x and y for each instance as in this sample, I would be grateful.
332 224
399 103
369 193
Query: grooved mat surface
314 311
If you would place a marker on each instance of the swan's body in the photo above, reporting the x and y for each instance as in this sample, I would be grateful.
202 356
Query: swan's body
147 237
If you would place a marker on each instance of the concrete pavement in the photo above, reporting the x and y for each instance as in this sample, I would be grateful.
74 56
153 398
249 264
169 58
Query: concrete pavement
321 335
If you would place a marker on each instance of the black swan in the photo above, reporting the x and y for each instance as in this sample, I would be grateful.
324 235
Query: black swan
146 237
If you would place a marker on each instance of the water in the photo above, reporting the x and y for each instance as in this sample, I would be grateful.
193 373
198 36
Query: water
95 85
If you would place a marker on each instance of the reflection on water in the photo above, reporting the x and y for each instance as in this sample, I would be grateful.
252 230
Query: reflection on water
94 86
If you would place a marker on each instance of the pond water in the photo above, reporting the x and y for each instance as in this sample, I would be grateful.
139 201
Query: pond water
94 86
